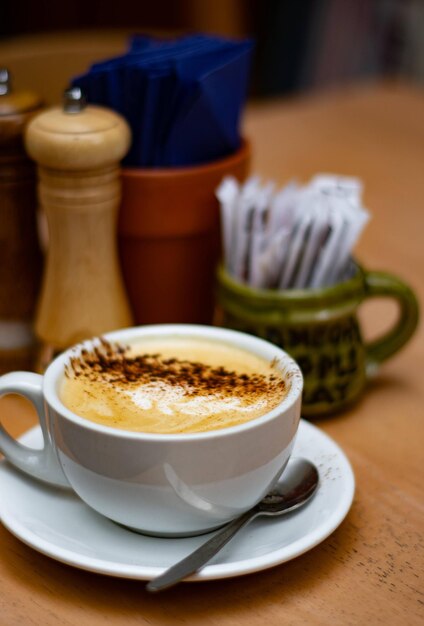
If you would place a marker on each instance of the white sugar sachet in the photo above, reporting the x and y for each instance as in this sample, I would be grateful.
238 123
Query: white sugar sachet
227 194
312 246
346 187
357 222
344 195
271 260
295 250
333 266
243 227
335 223
259 237
283 207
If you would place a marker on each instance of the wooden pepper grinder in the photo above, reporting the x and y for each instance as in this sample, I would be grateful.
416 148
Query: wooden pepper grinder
78 149
20 254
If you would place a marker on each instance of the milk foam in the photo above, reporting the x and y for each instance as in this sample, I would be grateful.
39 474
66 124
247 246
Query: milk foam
173 397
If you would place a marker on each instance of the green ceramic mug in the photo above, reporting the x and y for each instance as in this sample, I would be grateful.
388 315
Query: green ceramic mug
319 328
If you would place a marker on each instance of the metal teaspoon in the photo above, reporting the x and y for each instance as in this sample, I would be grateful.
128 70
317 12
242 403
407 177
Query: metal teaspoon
297 485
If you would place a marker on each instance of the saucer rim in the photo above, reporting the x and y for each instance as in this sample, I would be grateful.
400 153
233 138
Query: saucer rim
210 572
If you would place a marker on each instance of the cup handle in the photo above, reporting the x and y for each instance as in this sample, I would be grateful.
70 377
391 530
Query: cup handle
387 285
41 464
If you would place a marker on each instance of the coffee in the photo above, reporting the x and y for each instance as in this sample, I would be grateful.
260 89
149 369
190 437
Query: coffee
170 385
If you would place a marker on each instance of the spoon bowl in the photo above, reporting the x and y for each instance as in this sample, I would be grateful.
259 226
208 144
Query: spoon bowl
296 487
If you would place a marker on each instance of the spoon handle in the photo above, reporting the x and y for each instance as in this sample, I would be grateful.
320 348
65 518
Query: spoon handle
202 555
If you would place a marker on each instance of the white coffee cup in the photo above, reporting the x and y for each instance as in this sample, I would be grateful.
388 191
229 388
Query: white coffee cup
159 484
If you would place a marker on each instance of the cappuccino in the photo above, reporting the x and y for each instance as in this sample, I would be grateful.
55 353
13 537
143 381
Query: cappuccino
170 385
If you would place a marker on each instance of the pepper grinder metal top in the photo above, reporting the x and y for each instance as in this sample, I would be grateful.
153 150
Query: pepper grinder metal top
78 148
20 254
73 100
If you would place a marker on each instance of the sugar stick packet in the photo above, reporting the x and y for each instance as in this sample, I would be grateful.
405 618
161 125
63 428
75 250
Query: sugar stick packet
297 237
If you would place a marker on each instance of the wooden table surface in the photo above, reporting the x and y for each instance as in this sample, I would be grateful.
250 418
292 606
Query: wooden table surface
368 571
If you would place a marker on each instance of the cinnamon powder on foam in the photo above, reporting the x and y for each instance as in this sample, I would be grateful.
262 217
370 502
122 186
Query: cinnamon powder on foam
114 364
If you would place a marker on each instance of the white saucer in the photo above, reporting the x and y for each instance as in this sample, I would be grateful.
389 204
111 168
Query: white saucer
58 524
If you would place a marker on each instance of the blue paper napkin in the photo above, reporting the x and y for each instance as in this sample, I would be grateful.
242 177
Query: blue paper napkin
183 98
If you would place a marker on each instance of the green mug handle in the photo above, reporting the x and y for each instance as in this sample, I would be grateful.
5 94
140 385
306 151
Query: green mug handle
387 285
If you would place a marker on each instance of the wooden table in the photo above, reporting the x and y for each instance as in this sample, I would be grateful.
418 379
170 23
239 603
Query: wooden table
367 572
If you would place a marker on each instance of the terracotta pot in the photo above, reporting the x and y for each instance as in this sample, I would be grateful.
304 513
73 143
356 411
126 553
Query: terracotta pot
169 238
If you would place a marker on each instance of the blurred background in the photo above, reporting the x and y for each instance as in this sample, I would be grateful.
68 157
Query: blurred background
300 45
